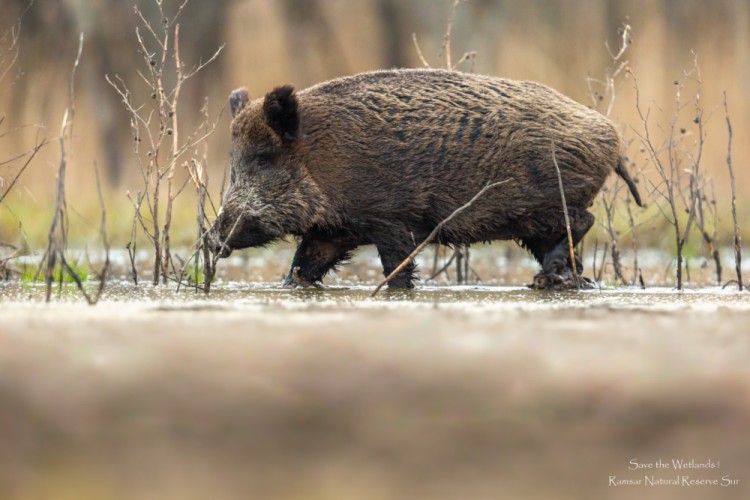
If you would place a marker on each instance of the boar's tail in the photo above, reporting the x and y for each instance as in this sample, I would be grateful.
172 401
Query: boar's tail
622 171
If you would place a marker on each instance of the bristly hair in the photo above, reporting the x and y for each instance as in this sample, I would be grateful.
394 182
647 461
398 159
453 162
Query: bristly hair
280 108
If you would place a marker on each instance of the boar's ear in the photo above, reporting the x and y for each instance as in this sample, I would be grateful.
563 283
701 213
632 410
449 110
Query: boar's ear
237 100
280 108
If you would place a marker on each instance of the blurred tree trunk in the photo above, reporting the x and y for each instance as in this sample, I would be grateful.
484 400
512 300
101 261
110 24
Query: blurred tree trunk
310 33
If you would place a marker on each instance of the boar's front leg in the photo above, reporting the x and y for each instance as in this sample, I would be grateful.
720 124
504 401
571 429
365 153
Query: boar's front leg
314 259
395 245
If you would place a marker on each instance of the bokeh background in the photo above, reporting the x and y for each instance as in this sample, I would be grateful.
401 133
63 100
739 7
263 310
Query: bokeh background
270 42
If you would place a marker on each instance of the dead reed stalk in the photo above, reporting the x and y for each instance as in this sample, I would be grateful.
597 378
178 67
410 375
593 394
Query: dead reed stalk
55 257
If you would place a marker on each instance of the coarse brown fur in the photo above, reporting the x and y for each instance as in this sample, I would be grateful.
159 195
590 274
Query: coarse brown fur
381 158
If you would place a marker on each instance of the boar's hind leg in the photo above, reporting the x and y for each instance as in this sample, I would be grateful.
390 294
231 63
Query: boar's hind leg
554 255
314 258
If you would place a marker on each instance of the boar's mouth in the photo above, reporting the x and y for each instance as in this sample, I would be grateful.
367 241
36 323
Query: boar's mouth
218 246
223 251
246 234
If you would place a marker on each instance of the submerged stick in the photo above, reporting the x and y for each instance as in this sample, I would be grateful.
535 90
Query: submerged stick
567 221
434 233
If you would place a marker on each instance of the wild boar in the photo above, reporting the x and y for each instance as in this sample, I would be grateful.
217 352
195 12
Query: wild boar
381 158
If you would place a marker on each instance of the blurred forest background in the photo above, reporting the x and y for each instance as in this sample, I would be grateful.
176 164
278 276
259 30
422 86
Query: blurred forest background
270 42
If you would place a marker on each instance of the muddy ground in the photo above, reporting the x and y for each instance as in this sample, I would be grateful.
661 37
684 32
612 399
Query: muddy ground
460 393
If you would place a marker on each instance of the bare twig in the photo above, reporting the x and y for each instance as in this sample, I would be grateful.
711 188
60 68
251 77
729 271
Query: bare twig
156 125
609 205
31 154
103 274
668 170
58 229
434 233
9 53
438 272
712 246
209 270
446 48
604 92
419 51
737 240
600 273
596 249
175 149
633 242
468 56
613 71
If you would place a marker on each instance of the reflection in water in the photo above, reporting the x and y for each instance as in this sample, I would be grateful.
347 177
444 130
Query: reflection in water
235 295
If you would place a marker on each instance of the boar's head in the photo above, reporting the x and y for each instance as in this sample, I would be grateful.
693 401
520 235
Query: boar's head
270 193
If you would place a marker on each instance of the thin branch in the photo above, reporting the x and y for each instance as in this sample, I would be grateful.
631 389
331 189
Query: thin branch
466 57
446 49
31 154
445 267
58 232
737 240
419 51
103 274
202 65
434 233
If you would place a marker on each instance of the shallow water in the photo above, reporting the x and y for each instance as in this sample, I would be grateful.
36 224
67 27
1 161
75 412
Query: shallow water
239 295
476 391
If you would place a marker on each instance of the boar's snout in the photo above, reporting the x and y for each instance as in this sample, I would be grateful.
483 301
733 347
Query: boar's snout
229 233
216 243
219 248
217 239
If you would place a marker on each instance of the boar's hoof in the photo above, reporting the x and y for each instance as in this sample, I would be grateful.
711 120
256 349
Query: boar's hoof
294 280
546 281
564 281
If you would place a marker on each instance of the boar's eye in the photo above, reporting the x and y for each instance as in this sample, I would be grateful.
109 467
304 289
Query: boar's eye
263 160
